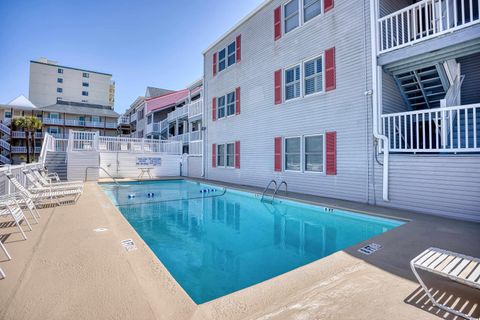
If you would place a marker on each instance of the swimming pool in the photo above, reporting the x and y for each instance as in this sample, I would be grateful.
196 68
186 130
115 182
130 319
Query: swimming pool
215 241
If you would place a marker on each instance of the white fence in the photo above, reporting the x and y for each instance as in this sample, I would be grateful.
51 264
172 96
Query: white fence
424 20
5 186
138 145
195 147
448 130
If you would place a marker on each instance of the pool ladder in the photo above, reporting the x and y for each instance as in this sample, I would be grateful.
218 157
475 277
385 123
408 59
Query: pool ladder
277 187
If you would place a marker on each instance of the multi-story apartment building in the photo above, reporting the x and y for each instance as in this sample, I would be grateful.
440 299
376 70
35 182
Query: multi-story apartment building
57 120
373 101
51 82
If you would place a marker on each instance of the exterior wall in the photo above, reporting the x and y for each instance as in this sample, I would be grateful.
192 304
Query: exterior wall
470 67
446 185
43 85
194 166
78 162
392 100
344 110
123 165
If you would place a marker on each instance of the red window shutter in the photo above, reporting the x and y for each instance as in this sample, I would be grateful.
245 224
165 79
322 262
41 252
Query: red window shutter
214 109
214 64
330 81
327 5
331 153
214 155
278 154
239 48
237 154
237 100
277 22
278 87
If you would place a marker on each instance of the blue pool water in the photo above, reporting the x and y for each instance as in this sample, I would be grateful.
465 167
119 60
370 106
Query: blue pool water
215 242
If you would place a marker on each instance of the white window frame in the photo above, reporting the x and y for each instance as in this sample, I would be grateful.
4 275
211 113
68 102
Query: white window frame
284 153
224 158
303 169
86 75
284 19
304 92
83 93
227 104
304 155
284 82
59 80
224 107
227 55
232 154
59 90
303 12
56 129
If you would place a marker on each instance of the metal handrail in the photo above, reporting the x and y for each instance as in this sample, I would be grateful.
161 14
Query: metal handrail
276 190
108 174
266 189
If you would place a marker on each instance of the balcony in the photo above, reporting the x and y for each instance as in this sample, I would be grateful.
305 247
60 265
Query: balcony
21 149
425 20
178 113
110 125
195 135
184 137
53 121
195 109
453 129
94 124
21 135
123 120
156 127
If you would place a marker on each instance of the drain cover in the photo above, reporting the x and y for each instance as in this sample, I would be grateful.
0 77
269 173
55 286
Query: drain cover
371 248
128 244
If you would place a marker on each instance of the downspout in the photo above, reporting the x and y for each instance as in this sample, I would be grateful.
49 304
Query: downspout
204 123
376 85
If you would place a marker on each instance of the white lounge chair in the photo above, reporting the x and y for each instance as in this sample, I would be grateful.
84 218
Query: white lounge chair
53 186
13 209
23 202
2 274
46 182
44 196
5 251
454 266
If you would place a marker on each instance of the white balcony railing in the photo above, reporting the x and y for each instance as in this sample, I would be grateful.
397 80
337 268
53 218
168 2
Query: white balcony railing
138 145
195 108
21 149
5 129
21 135
110 125
178 113
94 124
123 120
53 121
4 144
195 135
446 130
425 20
157 127
195 148
185 137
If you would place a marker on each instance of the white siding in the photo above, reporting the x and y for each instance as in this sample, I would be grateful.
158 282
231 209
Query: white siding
78 162
127 167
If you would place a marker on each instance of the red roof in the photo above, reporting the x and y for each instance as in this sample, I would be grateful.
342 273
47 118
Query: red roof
166 100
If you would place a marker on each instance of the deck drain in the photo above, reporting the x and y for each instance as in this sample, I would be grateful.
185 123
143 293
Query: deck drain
100 229
128 244
369 249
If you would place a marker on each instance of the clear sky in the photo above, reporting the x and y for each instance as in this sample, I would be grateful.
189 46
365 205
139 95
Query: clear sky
141 42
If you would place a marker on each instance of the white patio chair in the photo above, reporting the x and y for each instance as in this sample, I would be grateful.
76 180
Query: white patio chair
54 186
9 257
13 209
49 176
2 274
24 202
46 183
454 266
44 196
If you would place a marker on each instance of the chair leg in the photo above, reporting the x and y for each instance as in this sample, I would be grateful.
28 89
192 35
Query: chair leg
5 251
2 274
28 223
21 230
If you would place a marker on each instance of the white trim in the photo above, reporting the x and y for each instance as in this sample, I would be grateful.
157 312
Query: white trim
318 15
234 42
284 82
283 18
323 172
284 154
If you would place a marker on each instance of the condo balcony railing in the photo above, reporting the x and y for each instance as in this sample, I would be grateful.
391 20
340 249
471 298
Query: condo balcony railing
178 113
21 149
195 108
184 137
425 20
21 135
123 120
453 129
195 135
54 121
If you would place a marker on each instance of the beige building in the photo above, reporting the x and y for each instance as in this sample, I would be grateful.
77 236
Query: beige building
51 82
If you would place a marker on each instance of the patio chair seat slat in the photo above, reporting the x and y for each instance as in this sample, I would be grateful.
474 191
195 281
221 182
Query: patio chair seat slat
434 257
428 254
468 270
451 265
474 276
455 272
444 263
438 261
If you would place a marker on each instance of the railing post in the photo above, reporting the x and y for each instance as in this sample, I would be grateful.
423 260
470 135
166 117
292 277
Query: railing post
443 123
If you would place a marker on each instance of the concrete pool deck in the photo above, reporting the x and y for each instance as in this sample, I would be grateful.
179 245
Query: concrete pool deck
66 270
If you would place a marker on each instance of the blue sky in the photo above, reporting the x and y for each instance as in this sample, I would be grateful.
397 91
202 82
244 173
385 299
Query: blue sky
142 43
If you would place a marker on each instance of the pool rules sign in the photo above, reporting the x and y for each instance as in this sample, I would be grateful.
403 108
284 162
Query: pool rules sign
149 161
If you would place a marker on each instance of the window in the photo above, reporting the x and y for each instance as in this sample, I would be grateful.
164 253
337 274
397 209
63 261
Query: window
59 70
53 130
292 83
59 80
54 116
311 9
231 54
222 60
291 16
59 90
141 114
85 84
292 154
86 75
95 119
231 103
230 155
221 107
84 93
8 115
313 72
221 155
314 153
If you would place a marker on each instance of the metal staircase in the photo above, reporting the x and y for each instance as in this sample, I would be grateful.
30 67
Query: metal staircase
5 133
423 88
